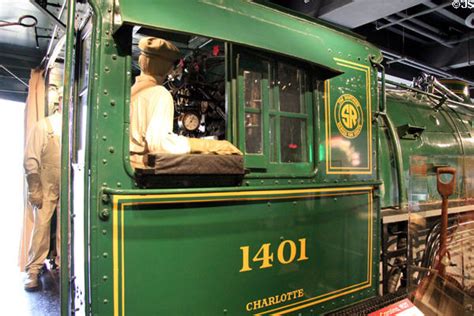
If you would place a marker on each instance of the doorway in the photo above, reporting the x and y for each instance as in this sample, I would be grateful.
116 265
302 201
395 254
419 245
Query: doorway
13 298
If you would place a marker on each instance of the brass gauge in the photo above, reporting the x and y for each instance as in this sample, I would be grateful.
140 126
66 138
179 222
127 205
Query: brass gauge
190 121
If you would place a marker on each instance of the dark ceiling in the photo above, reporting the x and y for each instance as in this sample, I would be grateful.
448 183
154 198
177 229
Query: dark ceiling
415 35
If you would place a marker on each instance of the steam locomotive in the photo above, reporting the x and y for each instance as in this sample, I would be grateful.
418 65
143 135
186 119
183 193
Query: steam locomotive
314 218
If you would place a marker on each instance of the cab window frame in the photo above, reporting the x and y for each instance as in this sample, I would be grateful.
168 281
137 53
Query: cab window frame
269 161
83 53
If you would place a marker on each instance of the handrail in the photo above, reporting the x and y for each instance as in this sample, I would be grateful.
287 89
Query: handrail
382 105
126 123
402 196
65 198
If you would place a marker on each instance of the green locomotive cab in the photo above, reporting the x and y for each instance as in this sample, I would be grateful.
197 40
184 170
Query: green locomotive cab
289 227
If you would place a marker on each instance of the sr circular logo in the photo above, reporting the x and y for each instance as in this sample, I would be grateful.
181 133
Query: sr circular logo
349 116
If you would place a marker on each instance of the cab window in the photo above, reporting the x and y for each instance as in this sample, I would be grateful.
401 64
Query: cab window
180 113
196 82
275 101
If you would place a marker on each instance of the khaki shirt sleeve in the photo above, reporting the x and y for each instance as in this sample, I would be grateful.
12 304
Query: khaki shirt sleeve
159 133
161 118
34 147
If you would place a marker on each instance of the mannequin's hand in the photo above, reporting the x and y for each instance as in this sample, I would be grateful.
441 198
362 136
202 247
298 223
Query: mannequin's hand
209 146
35 191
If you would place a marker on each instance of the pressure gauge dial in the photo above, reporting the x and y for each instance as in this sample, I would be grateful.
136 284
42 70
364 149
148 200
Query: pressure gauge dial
190 121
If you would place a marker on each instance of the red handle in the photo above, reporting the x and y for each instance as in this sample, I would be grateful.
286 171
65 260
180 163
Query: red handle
446 189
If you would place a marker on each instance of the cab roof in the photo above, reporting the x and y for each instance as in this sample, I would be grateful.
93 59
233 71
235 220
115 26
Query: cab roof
251 24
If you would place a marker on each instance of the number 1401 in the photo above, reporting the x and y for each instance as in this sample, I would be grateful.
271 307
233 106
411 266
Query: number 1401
286 253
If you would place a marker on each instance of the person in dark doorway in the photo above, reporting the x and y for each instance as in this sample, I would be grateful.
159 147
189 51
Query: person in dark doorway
42 169
152 109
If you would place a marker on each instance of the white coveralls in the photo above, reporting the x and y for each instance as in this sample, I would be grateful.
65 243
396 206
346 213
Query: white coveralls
42 156
151 121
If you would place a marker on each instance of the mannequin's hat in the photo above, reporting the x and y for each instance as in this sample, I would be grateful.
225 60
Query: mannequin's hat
158 48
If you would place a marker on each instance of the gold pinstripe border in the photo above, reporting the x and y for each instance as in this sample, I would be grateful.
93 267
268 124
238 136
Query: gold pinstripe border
119 264
349 170
340 292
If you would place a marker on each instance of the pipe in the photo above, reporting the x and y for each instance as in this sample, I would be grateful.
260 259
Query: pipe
382 104
14 76
13 91
65 197
56 51
445 12
429 69
411 63
414 15
445 90
53 36
407 35
421 32
437 97
462 39
421 23
43 9
397 60
470 21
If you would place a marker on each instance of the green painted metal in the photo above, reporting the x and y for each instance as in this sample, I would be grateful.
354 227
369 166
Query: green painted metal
349 153
179 251
383 98
269 185
269 162
209 234
81 290
398 158
304 39
65 195
445 135
190 256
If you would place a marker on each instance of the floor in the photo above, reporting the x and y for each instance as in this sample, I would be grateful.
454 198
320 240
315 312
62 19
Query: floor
15 301
13 298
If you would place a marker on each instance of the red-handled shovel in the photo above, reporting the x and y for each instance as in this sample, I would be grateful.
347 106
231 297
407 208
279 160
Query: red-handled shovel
445 189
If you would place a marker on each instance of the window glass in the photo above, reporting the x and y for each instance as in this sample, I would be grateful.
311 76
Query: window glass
253 89
253 133
290 85
254 75
253 121
273 139
293 140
